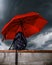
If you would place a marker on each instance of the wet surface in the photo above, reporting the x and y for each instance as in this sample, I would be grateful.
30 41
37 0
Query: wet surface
26 58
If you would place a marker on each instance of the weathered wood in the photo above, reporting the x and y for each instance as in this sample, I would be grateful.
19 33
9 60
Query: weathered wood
26 51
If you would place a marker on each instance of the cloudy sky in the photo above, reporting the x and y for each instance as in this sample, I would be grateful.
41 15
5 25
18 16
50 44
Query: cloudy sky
10 8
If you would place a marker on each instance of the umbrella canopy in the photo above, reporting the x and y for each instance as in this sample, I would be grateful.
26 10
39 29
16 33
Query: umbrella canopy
29 24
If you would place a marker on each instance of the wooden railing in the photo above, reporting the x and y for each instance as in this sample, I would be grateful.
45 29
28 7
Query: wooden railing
26 51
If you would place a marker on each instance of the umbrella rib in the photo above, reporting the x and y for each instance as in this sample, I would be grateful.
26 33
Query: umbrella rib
21 24
9 29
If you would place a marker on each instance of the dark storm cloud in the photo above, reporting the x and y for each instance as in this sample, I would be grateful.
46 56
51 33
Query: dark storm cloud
44 7
14 7
7 11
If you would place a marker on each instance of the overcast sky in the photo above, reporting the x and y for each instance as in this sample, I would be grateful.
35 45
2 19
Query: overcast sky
10 8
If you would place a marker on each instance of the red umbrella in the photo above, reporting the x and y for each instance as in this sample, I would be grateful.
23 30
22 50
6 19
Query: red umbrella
29 24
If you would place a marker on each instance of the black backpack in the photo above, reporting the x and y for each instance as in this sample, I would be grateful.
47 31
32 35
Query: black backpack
19 42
